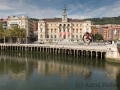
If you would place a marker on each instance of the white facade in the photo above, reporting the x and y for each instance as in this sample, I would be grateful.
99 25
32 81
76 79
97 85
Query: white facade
57 29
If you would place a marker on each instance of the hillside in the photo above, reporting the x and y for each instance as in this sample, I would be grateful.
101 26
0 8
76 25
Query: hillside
105 20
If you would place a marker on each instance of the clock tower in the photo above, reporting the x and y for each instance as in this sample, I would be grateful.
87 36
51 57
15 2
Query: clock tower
64 15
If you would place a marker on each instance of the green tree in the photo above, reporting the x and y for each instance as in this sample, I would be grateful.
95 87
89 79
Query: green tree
93 27
1 30
18 33
98 37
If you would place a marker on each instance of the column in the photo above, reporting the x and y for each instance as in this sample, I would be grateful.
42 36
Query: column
96 55
101 55
66 33
91 54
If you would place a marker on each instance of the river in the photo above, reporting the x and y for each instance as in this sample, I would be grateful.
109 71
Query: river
43 71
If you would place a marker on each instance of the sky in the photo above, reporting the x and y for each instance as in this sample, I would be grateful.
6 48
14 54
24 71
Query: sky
77 9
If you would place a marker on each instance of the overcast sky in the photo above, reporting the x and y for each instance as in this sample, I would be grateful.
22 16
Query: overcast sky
78 9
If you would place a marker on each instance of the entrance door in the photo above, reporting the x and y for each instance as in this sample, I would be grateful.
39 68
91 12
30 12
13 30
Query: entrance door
64 36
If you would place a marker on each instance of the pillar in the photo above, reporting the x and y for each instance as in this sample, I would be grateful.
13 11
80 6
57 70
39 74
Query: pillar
81 52
96 55
77 53
91 54
101 55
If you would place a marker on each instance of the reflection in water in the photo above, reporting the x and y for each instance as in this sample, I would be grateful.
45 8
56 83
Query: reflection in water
39 67
113 72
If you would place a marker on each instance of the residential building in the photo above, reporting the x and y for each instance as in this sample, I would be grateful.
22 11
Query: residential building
21 22
108 33
57 29
4 23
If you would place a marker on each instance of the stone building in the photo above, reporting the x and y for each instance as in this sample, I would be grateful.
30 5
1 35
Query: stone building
58 29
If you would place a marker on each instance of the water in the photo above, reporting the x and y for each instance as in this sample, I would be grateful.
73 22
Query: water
43 71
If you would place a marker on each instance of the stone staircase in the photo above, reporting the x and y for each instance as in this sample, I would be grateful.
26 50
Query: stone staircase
65 41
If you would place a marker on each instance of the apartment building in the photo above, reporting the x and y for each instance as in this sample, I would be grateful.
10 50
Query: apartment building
108 33
21 22
4 23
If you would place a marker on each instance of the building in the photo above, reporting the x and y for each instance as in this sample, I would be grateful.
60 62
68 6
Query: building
58 29
108 33
35 30
4 23
21 22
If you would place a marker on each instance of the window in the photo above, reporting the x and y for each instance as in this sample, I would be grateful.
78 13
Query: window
80 30
47 36
76 24
55 36
76 30
55 30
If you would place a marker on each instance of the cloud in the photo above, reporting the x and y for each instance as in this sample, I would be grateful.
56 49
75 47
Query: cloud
4 7
74 10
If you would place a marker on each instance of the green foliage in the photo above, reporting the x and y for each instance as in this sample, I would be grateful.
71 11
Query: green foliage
105 20
16 32
93 27
1 30
98 37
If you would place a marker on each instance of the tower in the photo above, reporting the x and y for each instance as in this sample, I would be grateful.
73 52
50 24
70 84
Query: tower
64 15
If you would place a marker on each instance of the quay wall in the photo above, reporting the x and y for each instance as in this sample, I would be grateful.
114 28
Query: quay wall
98 51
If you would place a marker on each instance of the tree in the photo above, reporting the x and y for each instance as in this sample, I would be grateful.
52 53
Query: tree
1 30
15 32
93 27
98 36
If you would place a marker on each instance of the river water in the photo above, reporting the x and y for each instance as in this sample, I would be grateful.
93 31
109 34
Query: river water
43 71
